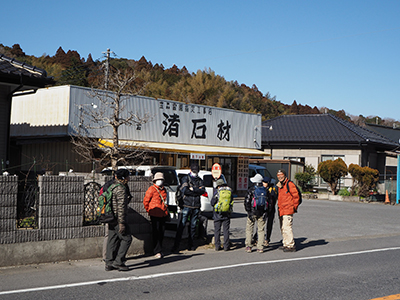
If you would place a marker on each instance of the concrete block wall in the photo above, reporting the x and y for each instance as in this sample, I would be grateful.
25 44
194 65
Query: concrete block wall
8 206
61 234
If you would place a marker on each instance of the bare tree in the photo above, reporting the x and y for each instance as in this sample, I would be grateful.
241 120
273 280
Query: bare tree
108 117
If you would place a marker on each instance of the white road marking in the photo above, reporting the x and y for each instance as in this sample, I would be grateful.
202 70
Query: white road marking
130 278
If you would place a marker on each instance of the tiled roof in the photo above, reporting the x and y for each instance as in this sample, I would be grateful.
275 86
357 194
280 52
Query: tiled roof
15 72
392 133
321 128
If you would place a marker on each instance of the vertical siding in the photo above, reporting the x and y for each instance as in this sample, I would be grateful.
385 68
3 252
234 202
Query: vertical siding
58 157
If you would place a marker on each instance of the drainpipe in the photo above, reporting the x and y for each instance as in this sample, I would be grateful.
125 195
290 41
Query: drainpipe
398 180
9 97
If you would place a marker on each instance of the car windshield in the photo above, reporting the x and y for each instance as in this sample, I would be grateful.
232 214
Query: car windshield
169 175
209 181
263 172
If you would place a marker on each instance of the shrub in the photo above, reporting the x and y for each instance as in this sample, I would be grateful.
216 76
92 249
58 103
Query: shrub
344 192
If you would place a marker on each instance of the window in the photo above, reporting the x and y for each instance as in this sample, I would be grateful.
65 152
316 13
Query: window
332 157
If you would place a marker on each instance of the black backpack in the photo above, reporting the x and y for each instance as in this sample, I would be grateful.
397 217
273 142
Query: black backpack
298 190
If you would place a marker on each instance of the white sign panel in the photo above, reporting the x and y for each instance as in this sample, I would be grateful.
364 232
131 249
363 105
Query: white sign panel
200 156
176 122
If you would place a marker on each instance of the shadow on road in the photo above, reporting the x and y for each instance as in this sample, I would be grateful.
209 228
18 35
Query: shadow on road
154 262
302 243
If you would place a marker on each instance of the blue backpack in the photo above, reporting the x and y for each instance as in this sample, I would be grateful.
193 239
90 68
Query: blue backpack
260 202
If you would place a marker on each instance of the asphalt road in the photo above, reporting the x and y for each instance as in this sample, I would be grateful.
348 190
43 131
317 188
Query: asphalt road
345 251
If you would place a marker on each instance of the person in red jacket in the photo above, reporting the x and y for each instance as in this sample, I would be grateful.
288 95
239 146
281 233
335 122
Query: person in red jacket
155 204
288 202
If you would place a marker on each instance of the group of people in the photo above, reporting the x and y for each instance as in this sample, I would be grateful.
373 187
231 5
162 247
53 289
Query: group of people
260 202
286 195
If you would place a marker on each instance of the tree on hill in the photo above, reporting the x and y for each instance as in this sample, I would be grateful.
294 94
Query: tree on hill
200 87
17 51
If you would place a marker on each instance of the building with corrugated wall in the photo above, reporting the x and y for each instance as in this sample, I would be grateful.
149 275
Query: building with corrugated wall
176 133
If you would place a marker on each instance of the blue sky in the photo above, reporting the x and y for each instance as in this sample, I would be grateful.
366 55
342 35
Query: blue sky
336 54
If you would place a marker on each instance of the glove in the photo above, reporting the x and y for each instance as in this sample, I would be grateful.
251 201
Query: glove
121 228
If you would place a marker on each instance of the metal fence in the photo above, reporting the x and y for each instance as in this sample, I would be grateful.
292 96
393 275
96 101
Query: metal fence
27 203
92 190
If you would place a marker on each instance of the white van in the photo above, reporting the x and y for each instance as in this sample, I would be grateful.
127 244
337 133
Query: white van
209 183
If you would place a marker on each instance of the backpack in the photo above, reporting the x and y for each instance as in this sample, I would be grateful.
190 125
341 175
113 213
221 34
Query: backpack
179 195
105 211
298 190
224 201
260 202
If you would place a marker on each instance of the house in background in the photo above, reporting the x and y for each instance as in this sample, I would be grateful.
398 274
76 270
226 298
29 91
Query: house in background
392 133
15 77
312 139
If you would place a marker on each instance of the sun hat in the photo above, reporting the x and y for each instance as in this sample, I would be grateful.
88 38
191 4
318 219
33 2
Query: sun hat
158 176
256 179
220 182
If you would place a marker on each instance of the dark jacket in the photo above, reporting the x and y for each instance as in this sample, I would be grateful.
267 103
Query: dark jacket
220 216
248 202
191 197
120 200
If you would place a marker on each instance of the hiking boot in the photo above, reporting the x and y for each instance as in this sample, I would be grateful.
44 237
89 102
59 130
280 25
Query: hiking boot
260 250
248 249
289 249
109 268
122 267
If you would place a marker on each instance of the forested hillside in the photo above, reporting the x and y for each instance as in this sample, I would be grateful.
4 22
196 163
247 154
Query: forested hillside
201 87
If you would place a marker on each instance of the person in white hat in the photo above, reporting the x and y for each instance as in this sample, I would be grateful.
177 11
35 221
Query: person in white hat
255 205
155 204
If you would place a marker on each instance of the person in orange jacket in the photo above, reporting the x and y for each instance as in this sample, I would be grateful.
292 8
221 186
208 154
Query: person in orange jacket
155 204
288 202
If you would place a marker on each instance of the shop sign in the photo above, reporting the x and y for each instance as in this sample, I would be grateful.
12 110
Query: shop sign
200 156
242 174
216 171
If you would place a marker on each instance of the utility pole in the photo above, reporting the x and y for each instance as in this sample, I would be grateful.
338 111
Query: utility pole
107 68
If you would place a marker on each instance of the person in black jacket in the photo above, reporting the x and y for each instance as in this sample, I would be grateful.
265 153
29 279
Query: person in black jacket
192 188
269 216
